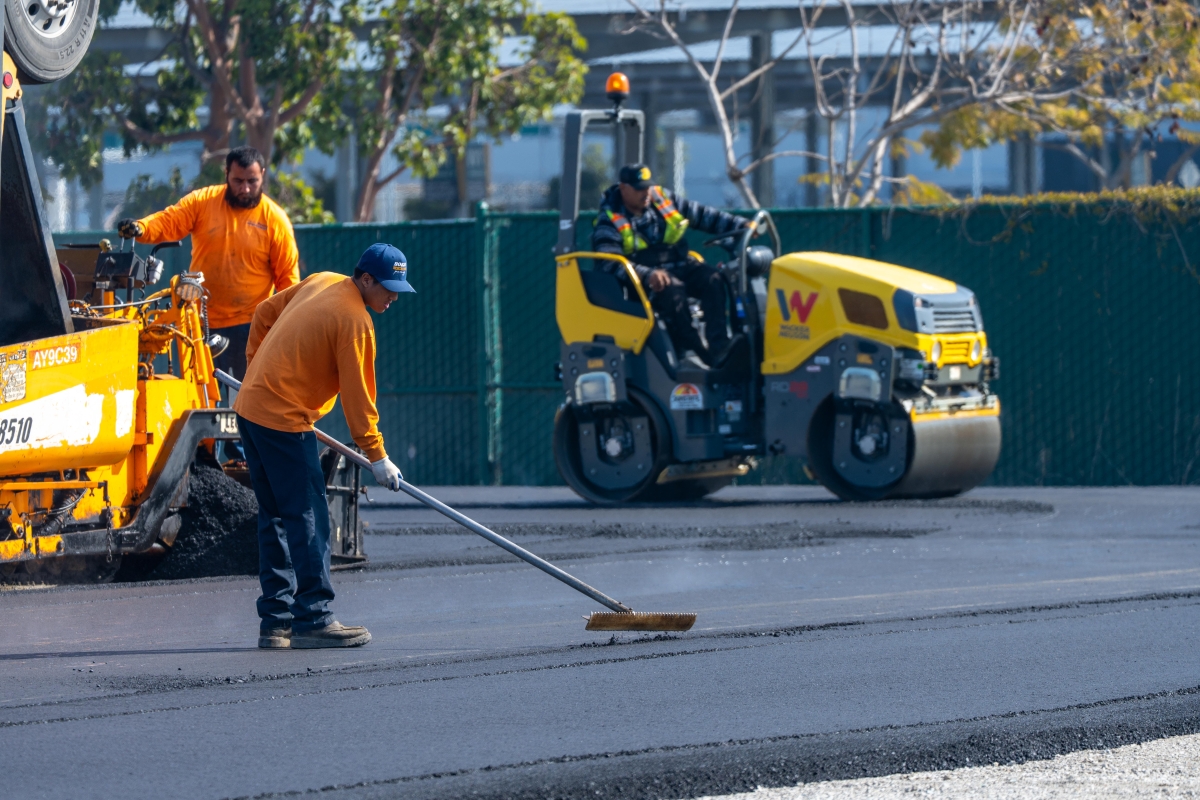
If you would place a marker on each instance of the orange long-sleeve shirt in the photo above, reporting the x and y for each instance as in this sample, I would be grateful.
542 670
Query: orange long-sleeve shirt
307 344
244 253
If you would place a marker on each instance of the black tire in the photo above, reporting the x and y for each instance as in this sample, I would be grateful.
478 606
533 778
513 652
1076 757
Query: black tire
138 566
820 459
47 45
567 459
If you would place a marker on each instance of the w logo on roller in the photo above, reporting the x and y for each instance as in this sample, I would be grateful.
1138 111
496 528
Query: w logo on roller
802 308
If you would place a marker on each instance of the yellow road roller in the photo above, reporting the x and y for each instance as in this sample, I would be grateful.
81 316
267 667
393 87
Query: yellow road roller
878 376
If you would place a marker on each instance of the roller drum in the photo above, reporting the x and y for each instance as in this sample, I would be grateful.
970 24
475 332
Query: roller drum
950 455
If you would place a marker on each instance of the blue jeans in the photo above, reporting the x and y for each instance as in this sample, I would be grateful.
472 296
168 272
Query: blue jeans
232 361
293 527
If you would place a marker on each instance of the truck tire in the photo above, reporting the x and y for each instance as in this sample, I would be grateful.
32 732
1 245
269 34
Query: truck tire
48 38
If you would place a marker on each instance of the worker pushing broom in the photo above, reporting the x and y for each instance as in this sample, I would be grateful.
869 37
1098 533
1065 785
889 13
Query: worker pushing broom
306 345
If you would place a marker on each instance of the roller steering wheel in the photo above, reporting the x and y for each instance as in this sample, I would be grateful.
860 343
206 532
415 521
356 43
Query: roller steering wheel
730 239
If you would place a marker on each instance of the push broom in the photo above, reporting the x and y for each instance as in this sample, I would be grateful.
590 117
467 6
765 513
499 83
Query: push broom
620 618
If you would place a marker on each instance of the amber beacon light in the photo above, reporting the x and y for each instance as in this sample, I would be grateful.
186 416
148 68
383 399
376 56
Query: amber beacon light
617 87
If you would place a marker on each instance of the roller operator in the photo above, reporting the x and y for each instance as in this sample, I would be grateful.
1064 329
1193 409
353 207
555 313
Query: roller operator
243 244
309 344
646 224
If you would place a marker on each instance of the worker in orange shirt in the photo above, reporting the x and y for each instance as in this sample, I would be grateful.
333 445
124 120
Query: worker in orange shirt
308 344
243 244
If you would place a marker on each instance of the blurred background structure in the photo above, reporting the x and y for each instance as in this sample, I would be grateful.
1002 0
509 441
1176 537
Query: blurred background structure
518 171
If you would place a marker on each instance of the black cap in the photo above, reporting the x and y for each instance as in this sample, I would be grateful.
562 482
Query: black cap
636 175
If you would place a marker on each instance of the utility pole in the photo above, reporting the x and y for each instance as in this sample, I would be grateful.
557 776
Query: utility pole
762 120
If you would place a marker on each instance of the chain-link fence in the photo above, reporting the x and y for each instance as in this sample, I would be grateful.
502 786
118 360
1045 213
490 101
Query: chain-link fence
1091 311
1090 308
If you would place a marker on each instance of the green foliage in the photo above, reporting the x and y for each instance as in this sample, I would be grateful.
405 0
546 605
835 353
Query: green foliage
1166 214
256 65
68 123
972 128
212 173
435 75
596 173
146 196
324 188
595 176
1120 71
1161 203
916 192
299 200
912 192
287 75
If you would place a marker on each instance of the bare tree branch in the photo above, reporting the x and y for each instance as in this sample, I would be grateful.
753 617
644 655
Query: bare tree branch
716 70
969 61
1177 165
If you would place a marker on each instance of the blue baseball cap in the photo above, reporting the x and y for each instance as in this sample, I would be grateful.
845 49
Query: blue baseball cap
386 264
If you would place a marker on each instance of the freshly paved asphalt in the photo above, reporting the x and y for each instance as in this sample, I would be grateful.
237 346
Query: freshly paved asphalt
834 640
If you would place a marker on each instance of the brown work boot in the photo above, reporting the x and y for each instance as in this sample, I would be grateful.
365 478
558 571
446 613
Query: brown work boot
278 637
335 634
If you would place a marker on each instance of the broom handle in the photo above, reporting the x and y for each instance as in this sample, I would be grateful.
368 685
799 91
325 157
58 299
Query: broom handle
461 519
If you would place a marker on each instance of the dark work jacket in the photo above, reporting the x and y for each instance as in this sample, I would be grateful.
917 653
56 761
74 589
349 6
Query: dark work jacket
651 226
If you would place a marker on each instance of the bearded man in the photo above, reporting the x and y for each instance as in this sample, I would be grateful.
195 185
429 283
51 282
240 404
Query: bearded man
243 244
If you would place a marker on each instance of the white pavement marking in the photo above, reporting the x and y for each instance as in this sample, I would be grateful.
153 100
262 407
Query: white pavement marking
1162 768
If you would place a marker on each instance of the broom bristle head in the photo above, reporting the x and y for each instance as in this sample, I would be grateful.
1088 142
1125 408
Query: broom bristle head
639 621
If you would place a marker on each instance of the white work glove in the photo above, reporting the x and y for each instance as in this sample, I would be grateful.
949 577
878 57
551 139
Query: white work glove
387 474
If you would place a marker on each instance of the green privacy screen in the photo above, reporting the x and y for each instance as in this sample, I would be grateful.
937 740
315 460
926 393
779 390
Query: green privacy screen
1092 308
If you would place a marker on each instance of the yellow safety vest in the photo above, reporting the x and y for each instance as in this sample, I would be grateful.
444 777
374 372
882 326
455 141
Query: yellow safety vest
677 224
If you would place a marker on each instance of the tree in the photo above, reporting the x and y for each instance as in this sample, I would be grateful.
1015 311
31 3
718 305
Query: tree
436 75
938 58
145 195
254 66
1121 74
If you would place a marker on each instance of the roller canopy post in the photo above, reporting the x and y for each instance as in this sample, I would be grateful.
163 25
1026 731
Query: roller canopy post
630 147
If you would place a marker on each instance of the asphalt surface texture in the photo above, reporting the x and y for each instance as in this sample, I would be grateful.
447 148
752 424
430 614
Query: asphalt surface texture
1163 768
834 641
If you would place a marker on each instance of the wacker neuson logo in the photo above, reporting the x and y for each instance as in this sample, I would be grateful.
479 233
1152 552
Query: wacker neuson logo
797 306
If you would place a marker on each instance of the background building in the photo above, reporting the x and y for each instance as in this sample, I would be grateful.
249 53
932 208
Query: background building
521 172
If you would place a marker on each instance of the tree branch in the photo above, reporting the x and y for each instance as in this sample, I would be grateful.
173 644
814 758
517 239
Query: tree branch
301 104
754 75
769 157
391 176
218 52
146 137
248 84
1184 157
716 70
188 56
